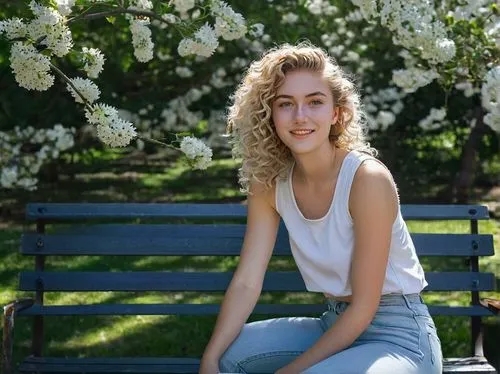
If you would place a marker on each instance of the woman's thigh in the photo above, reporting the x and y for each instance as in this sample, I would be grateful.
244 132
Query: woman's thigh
373 358
265 346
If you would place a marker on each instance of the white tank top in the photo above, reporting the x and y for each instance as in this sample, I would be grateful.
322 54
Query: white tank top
322 248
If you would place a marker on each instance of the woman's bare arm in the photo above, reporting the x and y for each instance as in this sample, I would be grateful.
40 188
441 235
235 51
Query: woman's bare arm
246 285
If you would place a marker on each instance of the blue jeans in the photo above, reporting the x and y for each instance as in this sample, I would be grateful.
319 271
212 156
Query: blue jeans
401 339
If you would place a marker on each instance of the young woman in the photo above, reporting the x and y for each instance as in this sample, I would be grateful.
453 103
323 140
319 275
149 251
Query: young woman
297 124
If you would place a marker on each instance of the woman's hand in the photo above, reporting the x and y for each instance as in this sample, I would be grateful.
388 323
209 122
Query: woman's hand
209 366
286 370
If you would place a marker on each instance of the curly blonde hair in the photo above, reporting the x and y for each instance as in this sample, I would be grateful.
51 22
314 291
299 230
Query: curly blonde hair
254 139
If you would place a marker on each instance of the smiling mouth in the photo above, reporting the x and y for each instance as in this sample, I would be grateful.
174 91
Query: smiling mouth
301 132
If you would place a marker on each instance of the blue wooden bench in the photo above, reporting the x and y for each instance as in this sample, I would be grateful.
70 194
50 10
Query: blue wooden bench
94 230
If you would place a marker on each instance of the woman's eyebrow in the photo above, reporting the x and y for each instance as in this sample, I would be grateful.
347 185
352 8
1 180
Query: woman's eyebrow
317 93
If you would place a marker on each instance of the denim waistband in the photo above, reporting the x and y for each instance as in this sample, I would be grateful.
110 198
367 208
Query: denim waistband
392 299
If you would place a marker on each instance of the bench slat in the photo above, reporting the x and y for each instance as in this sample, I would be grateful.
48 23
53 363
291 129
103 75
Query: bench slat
111 365
212 309
72 211
471 365
212 240
212 281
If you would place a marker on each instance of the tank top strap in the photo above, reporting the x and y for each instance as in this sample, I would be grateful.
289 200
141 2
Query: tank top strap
350 165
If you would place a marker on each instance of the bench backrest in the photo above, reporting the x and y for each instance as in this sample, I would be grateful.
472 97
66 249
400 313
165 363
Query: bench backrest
212 230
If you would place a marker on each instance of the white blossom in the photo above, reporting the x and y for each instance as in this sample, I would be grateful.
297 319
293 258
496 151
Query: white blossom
228 24
141 4
141 40
48 26
204 43
385 119
412 79
467 88
183 72
368 8
182 6
86 87
490 98
64 6
93 61
257 30
170 18
434 119
111 129
18 168
289 18
31 69
199 154
13 28
9 176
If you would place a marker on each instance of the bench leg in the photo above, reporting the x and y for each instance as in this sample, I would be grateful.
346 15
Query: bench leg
9 312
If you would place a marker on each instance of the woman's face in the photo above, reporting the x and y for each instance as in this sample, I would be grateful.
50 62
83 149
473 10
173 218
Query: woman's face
303 111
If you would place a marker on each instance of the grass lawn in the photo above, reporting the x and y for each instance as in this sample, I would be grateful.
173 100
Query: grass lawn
180 336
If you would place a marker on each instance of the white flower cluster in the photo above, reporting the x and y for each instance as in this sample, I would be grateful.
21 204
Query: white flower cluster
93 61
182 6
468 88
414 25
228 24
198 153
434 119
141 40
321 7
18 169
86 87
177 116
141 4
413 78
382 107
289 18
47 28
111 129
257 30
490 98
64 6
31 69
469 9
183 72
203 44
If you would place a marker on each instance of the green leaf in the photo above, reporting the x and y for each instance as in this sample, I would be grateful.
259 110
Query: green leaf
111 19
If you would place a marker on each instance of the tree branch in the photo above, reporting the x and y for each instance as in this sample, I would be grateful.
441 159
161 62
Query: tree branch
135 12
67 80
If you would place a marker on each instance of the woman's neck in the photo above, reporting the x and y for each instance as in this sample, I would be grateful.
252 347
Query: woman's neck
318 167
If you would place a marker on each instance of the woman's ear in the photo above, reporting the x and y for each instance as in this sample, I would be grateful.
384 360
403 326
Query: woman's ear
336 114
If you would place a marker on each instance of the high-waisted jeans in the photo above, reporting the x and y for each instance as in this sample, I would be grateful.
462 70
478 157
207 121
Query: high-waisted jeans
401 339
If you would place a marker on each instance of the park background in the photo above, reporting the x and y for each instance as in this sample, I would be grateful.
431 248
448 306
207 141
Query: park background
434 159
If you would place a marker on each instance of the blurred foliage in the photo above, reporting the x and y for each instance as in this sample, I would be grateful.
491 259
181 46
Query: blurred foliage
420 160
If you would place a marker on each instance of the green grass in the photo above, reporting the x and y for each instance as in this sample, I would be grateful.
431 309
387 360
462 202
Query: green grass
186 335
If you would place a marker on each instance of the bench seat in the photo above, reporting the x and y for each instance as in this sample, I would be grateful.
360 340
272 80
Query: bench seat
472 365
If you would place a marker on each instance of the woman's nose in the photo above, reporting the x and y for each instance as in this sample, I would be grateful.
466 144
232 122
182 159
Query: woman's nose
300 114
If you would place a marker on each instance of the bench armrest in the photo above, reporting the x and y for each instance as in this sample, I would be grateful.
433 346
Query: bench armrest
491 304
9 313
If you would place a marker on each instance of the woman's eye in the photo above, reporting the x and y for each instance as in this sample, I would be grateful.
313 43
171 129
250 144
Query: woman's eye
316 102
285 104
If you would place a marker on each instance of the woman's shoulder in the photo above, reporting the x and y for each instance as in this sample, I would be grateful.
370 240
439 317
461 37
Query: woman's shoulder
374 180
261 191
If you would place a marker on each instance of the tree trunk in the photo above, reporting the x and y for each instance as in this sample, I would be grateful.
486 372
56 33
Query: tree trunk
464 181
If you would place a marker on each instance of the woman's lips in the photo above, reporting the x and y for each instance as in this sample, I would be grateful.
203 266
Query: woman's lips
302 133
